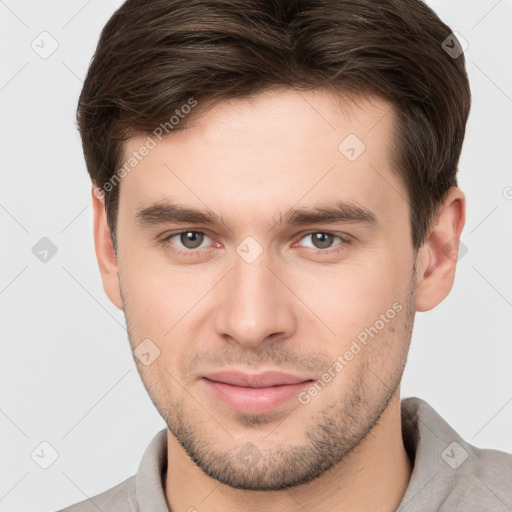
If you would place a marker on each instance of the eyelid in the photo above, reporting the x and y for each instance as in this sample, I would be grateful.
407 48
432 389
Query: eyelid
345 238
165 240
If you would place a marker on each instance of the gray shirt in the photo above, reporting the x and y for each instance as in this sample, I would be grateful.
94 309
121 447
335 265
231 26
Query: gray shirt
449 475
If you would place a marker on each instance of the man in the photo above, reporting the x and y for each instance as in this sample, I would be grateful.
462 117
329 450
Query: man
275 196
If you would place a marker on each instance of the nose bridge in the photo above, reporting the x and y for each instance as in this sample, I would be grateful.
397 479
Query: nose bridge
256 304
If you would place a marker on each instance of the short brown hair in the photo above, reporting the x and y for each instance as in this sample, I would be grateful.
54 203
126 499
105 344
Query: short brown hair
153 56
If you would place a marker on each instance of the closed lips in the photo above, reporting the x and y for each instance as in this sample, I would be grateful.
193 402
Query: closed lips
262 380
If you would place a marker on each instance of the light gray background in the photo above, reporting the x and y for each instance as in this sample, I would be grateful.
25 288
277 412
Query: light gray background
68 377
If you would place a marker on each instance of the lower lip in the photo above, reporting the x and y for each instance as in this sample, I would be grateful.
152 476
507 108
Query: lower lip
254 400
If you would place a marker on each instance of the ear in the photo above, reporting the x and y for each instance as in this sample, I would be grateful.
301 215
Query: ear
437 258
104 247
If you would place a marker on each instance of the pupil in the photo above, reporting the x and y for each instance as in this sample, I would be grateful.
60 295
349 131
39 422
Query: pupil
322 240
191 239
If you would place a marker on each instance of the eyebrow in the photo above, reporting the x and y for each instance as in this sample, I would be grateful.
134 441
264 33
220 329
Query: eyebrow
344 212
338 212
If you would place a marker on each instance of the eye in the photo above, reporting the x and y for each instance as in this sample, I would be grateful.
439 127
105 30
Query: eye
321 240
190 242
185 241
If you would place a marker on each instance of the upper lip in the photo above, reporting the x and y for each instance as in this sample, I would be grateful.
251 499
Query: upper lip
258 380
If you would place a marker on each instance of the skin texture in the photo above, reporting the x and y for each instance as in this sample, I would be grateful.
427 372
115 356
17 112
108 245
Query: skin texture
294 308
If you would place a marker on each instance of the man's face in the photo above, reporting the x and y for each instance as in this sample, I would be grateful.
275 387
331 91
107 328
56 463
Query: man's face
253 292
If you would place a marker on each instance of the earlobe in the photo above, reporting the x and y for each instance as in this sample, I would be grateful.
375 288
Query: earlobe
105 254
437 259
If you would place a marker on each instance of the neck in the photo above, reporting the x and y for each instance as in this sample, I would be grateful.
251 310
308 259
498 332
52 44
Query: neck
372 477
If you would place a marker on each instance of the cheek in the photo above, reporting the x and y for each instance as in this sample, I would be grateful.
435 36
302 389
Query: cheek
161 300
352 297
341 300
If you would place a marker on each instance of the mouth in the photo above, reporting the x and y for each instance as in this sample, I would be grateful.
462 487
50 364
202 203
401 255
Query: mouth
254 393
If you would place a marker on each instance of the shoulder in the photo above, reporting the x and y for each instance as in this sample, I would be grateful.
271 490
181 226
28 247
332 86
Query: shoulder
118 498
144 490
484 477
448 472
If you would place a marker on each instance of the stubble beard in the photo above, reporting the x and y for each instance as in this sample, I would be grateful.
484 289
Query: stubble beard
329 437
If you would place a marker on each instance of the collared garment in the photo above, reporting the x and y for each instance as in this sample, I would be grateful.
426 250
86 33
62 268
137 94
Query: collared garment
449 475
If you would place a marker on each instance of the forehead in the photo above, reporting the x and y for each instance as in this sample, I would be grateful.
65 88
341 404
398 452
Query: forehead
269 152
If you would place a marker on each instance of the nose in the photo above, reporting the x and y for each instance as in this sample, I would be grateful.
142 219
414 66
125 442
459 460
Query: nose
256 308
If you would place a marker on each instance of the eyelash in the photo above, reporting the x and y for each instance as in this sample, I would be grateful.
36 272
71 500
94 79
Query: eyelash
166 242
